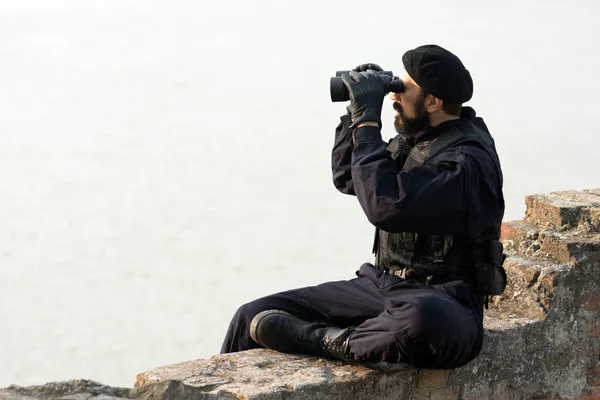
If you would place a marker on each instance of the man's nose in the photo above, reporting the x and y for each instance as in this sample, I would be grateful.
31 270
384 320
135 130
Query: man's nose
395 96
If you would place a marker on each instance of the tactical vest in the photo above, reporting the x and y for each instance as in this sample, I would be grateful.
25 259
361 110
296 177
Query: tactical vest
411 253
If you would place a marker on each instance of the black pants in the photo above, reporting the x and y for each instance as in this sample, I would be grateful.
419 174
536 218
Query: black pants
396 320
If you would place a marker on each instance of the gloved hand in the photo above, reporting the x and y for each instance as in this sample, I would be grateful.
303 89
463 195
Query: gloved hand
364 67
366 96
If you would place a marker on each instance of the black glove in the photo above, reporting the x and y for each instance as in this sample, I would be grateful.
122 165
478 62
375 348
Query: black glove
361 68
366 96
364 67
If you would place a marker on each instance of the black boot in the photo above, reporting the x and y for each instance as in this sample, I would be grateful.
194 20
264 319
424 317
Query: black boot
281 331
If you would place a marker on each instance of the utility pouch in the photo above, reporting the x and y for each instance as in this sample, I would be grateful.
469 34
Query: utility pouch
490 275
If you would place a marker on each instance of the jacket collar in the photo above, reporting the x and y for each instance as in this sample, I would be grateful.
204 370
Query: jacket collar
431 132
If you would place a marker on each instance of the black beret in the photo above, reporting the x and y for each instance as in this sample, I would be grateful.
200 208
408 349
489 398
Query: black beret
440 73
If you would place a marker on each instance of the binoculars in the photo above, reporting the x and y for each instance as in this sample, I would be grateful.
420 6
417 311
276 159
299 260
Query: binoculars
339 92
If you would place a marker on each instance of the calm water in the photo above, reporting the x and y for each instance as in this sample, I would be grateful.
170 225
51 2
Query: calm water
162 162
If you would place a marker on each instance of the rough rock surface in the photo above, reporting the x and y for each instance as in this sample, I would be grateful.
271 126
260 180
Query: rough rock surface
75 389
542 338
90 390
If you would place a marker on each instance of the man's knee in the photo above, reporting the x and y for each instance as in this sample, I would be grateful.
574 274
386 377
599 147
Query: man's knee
407 332
441 332
428 315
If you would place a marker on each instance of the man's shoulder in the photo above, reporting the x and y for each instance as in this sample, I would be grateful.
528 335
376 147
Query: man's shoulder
469 157
474 141
467 151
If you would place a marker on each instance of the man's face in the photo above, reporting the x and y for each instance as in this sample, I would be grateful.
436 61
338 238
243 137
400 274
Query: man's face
411 113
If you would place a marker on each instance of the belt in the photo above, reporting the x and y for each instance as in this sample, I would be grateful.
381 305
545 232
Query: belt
409 274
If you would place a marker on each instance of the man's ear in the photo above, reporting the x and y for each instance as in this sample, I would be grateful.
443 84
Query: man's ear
433 104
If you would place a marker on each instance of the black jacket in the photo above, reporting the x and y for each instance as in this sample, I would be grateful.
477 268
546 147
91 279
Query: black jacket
458 191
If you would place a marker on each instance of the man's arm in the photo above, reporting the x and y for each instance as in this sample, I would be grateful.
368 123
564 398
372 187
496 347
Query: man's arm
341 156
429 199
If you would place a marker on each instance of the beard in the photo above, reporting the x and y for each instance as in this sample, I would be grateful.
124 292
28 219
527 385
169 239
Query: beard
411 126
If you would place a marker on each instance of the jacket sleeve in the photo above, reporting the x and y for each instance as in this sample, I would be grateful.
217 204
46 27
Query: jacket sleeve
341 156
430 198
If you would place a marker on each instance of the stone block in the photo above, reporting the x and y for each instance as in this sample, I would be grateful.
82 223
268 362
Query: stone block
570 247
74 390
266 374
520 237
528 240
529 289
565 209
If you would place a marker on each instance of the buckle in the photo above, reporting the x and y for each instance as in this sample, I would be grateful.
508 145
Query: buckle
394 272
407 273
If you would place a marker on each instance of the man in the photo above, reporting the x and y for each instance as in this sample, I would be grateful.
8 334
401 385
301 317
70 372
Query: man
434 194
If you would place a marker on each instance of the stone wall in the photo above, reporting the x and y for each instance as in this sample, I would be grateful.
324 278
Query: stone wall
542 336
